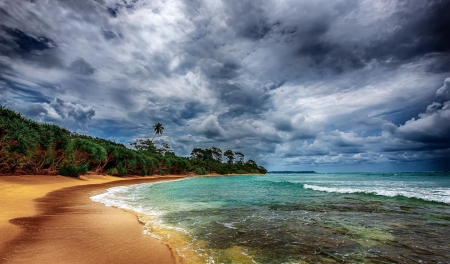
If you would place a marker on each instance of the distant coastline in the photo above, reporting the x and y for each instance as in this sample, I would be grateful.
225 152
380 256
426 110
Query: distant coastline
285 172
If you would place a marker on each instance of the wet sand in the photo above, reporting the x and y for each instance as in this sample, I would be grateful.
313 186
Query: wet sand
51 219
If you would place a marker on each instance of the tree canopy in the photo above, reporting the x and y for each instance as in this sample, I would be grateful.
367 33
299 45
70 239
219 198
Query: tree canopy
30 147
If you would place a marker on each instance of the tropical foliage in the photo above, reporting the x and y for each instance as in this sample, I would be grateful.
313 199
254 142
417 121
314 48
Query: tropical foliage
210 160
30 147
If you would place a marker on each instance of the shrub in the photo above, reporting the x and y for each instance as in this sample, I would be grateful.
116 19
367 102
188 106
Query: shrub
201 171
73 171
121 170
112 171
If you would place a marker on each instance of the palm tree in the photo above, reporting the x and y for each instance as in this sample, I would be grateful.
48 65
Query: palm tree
158 128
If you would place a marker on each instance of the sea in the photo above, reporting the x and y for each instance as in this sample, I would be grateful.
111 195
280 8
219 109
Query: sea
296 217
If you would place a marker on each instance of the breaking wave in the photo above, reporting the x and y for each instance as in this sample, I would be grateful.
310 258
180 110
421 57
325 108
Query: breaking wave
433 195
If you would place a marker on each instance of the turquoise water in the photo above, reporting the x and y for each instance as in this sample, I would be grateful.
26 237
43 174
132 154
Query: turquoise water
297 218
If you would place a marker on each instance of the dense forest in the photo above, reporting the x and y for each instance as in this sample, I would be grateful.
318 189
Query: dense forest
30 147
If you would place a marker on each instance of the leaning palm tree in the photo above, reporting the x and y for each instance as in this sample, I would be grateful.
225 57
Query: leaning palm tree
158 128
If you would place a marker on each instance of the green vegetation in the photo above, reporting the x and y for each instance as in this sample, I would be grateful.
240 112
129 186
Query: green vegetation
30 147
210 160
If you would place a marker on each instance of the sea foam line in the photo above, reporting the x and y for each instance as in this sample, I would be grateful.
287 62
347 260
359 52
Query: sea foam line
118 197
438 195
114 197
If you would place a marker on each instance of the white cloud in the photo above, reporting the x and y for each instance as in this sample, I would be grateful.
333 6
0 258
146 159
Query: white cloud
434 125
444 91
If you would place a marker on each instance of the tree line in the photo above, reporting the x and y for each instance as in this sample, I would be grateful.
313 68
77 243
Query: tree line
30 147
210 160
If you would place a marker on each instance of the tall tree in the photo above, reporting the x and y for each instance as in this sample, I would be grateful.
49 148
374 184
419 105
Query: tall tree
230 156
217 153
144 145
197 153
251 163
240 157
158 129
166 149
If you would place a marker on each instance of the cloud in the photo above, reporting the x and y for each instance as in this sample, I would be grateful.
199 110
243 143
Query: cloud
431 127
283 123
77 111
26 43
3 89
444 91
80 66
287 83
71 114
190 110
210 128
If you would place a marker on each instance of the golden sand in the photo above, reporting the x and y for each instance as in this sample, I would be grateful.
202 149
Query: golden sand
50 219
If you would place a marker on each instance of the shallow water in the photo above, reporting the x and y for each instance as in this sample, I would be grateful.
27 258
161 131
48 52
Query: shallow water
297 218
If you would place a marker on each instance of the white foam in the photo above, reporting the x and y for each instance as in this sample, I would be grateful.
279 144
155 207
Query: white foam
435 195
114 197
121 197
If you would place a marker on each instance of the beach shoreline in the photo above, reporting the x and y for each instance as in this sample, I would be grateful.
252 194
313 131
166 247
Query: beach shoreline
51 219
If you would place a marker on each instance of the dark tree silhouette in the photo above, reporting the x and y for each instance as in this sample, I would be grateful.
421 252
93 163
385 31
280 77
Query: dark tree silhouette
158 129
240 157
217 153
230 156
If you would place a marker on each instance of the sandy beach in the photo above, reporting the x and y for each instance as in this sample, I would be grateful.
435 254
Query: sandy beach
50 219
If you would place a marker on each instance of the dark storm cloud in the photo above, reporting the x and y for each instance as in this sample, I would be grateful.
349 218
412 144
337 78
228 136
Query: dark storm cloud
423 30
224 71
80 66
191 110
26 43
287 83
429 131
330 56
178 112
242 101
306 42
113 11
248 19
108 34
283 124
15 43
276 85
442 64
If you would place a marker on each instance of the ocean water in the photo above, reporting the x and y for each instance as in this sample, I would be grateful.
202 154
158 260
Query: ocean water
297 218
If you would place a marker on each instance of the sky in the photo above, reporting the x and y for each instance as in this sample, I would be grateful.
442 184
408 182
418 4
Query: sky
342 85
